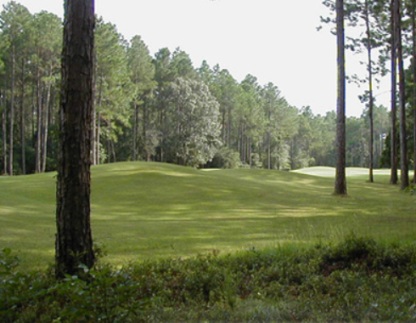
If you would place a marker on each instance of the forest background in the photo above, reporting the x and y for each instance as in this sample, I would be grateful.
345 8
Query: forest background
161 107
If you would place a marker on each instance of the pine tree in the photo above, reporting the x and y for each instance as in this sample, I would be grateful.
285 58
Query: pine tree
340 175
74 246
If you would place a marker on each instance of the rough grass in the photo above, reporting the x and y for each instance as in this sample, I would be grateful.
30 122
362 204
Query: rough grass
150 210
355 280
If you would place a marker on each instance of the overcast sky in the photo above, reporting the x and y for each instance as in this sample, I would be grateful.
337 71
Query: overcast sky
274 40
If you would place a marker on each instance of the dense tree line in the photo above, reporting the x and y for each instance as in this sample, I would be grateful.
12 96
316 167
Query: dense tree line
162 108
386 29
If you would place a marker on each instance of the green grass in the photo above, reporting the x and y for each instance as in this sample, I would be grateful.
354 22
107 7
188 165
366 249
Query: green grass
149 210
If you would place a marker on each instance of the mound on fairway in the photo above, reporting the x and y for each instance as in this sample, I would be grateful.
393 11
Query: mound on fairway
142 210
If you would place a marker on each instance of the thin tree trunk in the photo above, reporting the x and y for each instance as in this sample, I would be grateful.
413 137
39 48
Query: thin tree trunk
393 144
74 245
370 90
98 140
269 152
113 151
249 152
146 149
22 122
94 110
414 86
96 126
11 115
229 121
93 137
4 133
33 113
135 130
340 176
404 166
38 145
45 126
223 125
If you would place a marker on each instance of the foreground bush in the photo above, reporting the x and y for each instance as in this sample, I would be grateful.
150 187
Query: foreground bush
357 279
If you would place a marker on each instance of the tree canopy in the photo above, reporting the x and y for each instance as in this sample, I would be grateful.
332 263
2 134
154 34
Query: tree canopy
162 107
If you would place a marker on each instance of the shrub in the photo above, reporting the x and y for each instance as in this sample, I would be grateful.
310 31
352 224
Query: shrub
225 158
355 280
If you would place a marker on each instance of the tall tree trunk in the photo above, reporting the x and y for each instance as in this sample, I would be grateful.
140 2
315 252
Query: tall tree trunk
4 133
33 113
413 10
38 145
11 115
229 121
370 90
93 139
250 162
98 140
393 144
74 245
96 126
113 151
269 151
340 176
22 121
404 163
45 126
223 125
146 147
135 130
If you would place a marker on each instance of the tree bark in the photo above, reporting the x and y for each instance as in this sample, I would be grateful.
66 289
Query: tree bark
4 132
38 145
45 126
22 121
98 140
93 137
413 10
340 176
370 90
404 166
74 246
11 113
393 144
135 130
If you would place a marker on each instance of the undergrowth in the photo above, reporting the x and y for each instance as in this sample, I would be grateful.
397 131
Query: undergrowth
355 280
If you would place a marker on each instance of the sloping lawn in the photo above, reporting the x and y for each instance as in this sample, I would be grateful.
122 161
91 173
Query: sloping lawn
152 210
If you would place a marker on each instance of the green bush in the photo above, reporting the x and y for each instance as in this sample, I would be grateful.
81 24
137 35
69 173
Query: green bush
355 280
225 158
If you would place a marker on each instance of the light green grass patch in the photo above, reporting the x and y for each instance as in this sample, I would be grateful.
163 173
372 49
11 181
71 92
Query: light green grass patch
323 171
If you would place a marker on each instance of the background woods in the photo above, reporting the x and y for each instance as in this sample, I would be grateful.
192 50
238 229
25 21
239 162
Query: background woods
163 108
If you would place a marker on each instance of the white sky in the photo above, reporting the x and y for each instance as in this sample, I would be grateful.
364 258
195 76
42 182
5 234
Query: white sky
274 40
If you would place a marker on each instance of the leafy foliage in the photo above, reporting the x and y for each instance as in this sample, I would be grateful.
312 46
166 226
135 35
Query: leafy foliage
134 100
192 117
356 279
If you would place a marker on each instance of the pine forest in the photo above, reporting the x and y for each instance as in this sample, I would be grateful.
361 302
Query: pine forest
163 108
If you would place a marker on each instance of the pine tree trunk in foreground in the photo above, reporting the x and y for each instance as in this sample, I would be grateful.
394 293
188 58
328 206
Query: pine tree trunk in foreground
340 176
74 247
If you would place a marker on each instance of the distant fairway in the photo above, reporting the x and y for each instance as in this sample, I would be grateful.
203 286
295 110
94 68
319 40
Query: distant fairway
146 210
330 171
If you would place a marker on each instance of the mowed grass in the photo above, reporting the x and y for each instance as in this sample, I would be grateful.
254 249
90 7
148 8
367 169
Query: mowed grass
150 210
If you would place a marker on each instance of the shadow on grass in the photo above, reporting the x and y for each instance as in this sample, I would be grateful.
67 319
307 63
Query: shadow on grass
142 210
